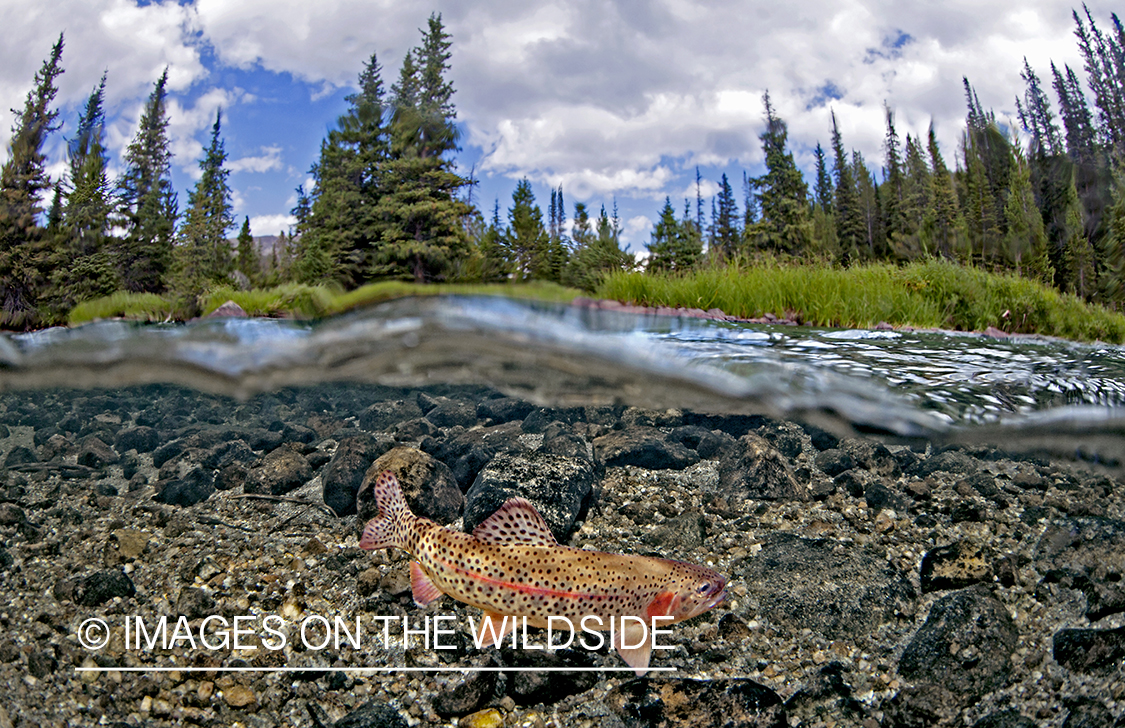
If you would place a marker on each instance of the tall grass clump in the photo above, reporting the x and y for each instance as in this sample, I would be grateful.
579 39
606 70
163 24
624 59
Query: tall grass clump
136 306
386 290
933 293
291 299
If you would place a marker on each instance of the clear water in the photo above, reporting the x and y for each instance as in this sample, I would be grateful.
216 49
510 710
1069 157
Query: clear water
1024 394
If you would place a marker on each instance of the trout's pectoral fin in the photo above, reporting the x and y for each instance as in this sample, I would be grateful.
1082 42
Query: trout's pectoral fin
496 626
634 646
423 587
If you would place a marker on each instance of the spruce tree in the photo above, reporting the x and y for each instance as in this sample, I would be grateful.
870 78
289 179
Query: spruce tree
203 254
599 255
892 191
673 246
784 194
24 248
917 188
147 200
1113 253
824 190
849 219
1025 245
726 235
943 217
526 240
1036 117
247 260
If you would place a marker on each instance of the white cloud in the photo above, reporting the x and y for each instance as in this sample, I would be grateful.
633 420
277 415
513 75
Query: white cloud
271 224
268 160
636 231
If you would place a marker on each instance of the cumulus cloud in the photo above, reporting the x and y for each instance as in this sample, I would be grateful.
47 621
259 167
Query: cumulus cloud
271 224
268 160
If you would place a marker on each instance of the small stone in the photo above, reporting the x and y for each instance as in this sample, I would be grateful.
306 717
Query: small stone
230 309
488 718
239 696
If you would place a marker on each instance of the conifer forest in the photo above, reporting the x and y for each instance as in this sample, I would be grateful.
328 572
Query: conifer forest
1045 201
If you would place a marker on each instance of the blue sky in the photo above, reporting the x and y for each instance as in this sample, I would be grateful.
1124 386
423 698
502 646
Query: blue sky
613 100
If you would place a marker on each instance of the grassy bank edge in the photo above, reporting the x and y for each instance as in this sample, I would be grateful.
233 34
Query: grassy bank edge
930 294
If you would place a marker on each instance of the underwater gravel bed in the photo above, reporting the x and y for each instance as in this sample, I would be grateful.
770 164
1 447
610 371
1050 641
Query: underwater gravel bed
870 583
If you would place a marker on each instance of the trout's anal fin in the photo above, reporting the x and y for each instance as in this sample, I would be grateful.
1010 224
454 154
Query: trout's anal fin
635 657
515 522
423 587
497 625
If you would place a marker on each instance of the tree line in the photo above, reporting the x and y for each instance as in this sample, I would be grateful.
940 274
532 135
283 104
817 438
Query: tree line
389 201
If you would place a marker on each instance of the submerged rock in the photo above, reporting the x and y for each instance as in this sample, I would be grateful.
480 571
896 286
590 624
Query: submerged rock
343 475
281 471
755 470
671 703
427 483
644 447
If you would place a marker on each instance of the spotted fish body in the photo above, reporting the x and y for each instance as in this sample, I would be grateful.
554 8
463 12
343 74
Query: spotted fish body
511 566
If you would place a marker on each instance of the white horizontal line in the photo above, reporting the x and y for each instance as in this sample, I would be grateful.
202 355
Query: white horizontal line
369 669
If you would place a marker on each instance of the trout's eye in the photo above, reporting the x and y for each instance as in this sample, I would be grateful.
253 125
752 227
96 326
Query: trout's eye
703 589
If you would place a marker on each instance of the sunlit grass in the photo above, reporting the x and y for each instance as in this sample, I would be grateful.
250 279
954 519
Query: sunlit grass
934 293
135 306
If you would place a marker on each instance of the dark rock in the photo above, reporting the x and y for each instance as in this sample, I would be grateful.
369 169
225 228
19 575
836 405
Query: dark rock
734 425
821 439
826 694
281 471
558 487
130 464
1090 650
372 715
872 456
834 589
669 702
786 437
833 462
566 443
344 474
166 452
141 439
415 429
1092 551
707 443
537 421
40 664
878 497
194 603
643 447
854 482
1087 713
467 695
955 566
983 483
99 588
96 454
680 534
504 409
20 455
384 415
965 644
754 470
427 483
56 446
298 433
954 462
228 453
467 452
921 706
640 417
549 686
195 487
452 413
231 477
263 440
11 514
1010 718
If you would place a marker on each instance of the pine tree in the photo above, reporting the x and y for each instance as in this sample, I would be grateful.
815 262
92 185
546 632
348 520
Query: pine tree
1026 241
726 234
496 264
81 266
1105 72
871 214
418 218
673 246
527 241
849 219
784 194
147 200
24 256
203 254
1081 142
1113 253
1036 117
943 218
599 254
824 190
338 232
894 223
247 260
1080 277
917 190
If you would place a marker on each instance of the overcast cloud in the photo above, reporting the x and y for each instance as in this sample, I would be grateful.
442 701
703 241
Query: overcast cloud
606 98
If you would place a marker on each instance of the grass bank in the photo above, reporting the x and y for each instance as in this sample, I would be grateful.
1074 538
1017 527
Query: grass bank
302 301
934 293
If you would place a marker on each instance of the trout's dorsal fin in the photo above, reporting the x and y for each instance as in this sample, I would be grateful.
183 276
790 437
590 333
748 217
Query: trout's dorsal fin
422 586
634 646
515 522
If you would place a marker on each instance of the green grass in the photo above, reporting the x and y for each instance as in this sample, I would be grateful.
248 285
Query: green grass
135 306
306 302
934 293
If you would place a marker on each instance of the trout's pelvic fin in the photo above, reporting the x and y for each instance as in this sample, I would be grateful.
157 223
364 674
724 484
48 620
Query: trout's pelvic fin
496 625
635 657
515 522
422 586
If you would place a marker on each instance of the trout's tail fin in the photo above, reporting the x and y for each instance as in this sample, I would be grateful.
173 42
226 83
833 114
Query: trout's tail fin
389 527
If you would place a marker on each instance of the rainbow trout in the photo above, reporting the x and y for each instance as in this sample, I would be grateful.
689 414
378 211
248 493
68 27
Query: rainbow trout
511 567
